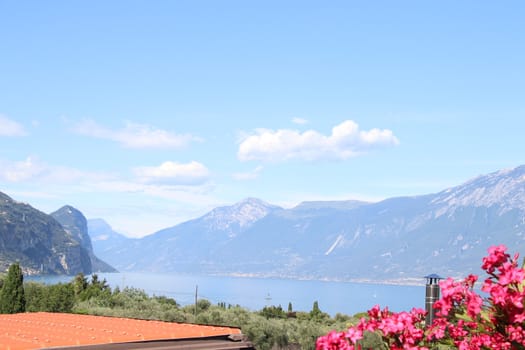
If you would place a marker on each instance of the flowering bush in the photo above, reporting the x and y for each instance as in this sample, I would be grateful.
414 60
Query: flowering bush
463 318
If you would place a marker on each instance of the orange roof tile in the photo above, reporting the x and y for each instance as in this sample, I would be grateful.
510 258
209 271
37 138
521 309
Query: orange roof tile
45 330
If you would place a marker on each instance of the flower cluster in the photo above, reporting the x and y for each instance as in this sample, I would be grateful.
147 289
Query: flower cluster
458 295
401 330
463 318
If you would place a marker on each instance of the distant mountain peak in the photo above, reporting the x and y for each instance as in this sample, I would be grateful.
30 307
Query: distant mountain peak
254 202
70 209
239 215
74 223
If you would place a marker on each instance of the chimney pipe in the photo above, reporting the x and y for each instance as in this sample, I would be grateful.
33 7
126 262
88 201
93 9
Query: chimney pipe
431 296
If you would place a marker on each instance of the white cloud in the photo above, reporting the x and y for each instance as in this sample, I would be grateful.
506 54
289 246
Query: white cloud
345 141
21 170
9 127
174 176
35 171
251 175
299 121
193 173
135 135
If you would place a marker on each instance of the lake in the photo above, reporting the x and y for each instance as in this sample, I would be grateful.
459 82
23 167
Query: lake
255 293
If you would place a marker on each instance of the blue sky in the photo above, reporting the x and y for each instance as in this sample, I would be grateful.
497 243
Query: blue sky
150 113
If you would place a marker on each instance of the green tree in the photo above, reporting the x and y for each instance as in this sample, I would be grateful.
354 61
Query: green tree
95 289
203 305
266 334
273 312
12 298
35 295
165 300
316 314
80 283
102 285
315 309
60 298
51 298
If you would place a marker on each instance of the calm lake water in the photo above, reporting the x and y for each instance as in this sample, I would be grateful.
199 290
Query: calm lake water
255 293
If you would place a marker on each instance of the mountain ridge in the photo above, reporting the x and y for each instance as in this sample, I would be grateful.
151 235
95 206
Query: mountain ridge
402 237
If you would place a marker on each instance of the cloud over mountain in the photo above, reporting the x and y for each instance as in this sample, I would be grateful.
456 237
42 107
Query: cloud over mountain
345 141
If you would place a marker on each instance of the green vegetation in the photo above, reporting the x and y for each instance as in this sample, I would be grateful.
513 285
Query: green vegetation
270 328
12 297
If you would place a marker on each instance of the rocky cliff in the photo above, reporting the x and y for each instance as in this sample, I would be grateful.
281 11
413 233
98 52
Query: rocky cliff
38 242
75 224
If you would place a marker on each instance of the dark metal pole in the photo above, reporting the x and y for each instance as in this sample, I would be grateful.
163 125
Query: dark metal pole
196 295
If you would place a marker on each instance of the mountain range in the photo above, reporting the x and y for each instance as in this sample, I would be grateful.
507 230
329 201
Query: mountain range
397 239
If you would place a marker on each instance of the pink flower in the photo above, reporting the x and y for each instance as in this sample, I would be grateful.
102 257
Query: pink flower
497 292
437 329
463 318
497 256
333 341
509 273
474 303
354 334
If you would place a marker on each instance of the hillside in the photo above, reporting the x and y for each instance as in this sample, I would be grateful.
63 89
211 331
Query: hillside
38 242
395 239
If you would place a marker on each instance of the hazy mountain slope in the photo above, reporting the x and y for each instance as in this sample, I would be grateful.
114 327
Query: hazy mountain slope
446 233
191 245
37 241
114 248
331 244
103 237
314 206
75 224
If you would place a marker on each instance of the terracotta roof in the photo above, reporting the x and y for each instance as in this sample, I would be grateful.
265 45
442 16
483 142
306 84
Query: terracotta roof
46 330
